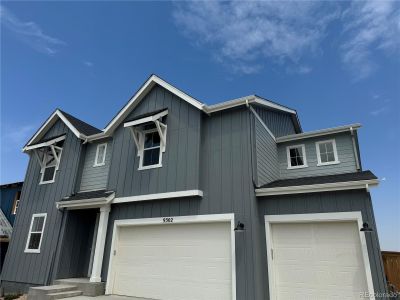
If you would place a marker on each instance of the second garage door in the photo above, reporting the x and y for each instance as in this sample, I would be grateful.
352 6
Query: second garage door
174 261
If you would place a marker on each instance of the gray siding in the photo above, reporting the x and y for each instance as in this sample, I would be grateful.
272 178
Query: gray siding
278 122
266 155
33 268
345 152
180 161
340 201
95 178
226 180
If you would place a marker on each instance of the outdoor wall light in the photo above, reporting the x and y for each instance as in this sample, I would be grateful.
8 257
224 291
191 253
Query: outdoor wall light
366 228
239 227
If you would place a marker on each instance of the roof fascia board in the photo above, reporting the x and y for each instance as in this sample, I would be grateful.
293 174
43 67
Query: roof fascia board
316 133
48 143
140 95
315 188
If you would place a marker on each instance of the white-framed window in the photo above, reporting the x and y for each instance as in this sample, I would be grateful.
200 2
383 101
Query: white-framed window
327 153
49 158
100 159
16 202
296 156
150 149
35 235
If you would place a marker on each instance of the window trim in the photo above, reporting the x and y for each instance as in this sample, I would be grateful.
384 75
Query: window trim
96 163
56 165
27 250
16 203
141 151
335 154
289 162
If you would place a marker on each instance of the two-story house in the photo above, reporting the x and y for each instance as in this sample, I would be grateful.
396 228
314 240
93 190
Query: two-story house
176 199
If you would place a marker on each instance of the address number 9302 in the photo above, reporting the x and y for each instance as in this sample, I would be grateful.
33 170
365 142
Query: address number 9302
168 220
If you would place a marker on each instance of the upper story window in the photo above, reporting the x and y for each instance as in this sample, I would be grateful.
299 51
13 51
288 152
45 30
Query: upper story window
35 233
16 202
149 133
296 157
50 163
100 159
327 153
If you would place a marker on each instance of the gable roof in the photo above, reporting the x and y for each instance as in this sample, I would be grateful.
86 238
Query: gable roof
81 129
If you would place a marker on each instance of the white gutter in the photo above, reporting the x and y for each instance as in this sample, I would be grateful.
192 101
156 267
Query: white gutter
316 133
315 188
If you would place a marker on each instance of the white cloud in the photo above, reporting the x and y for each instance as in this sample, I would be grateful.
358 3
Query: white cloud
88 63
14 137
369 26
379 111
245 34
29 32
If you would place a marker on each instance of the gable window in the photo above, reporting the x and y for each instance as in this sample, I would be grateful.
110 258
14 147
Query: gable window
149 133
296 157
100 159
16 203
327 153
35 235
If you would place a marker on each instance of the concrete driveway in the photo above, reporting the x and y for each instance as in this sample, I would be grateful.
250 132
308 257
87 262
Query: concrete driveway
107 298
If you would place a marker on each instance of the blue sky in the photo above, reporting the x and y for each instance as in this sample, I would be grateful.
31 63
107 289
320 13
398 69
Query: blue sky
336 63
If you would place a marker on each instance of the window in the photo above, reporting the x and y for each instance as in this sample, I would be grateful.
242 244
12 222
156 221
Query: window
50 162
327 153
100 159
16 202
151 150
35 233
296 157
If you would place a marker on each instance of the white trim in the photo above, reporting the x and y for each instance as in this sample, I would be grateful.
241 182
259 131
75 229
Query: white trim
57 159
147 119
262 122
85 203
315 188
355 148
158 196
142 149
177 220
50 122
27 250
335 154
45 144
304 156
103 162
316 133
318 217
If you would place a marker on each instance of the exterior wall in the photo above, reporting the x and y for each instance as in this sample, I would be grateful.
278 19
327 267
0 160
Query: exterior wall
7 197
226 179
345 150
266 155
340 201
22 268
95 178
278 122
180 161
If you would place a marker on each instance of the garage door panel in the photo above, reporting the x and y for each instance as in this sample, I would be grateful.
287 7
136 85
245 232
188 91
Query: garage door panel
174 261
329 266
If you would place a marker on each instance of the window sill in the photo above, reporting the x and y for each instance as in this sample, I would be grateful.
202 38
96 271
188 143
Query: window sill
150 167
32 251
328 163
46 182
99 165
297 167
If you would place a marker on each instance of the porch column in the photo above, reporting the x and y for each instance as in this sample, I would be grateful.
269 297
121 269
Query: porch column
100 243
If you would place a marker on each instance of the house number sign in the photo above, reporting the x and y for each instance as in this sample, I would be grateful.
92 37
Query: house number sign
168 220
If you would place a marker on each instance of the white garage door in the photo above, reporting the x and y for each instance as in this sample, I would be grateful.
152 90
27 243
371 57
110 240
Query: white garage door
174 261
321 260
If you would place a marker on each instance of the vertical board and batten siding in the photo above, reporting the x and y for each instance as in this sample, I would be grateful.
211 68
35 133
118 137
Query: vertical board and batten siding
226 179
95 178
180 161
267 155
34 268
345 150
328 202
278 122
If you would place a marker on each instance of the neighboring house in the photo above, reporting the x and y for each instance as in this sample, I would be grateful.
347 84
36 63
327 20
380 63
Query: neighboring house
9 202
176 199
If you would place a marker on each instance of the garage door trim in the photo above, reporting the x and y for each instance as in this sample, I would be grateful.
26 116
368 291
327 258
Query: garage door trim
319 217
167 221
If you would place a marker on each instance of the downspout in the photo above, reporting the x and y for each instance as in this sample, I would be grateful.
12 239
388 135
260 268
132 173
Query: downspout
355 149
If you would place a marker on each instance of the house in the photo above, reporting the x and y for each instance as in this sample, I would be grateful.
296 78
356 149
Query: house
9 202
176 199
